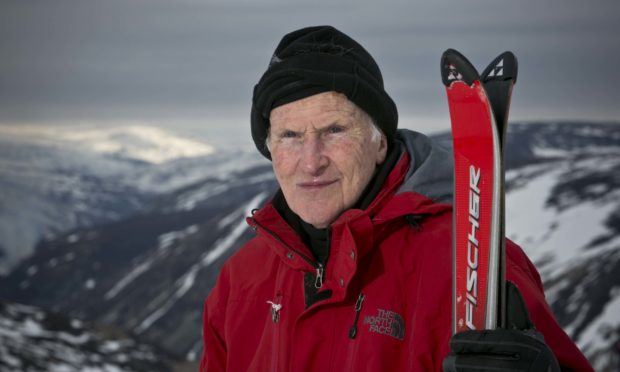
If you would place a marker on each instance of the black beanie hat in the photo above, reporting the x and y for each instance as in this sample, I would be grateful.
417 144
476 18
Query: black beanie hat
320 59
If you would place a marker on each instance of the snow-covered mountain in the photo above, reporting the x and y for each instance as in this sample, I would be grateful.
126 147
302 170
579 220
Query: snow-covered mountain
33 340
565 211
54 179
149 272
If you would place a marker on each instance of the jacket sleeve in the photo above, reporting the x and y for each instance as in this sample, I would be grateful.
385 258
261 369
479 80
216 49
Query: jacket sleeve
214 353
521 271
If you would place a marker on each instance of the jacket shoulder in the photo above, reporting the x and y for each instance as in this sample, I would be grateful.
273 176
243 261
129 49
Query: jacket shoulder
517 263
252 249
248 261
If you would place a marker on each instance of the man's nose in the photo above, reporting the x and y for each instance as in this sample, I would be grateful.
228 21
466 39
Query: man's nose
313 157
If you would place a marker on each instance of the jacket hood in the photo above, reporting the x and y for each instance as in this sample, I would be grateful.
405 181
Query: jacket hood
430 167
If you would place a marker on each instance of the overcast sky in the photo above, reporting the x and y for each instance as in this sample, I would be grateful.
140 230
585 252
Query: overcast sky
179 64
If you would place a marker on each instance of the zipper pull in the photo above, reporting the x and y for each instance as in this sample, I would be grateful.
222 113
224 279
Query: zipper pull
275 311
358 309
318 283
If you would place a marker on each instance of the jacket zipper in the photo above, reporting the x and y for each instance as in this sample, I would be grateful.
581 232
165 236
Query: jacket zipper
353 343
320 269
358 309
318 282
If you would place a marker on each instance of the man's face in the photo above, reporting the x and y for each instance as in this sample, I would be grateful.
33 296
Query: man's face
324 153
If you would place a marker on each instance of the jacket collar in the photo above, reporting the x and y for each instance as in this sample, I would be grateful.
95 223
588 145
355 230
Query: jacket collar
392 202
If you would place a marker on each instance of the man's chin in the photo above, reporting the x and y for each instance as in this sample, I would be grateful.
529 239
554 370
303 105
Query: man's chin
318 225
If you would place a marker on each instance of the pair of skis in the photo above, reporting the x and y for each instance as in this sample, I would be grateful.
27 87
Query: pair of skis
479 106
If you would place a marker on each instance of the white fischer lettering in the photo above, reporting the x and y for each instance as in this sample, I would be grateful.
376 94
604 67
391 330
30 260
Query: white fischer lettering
472 246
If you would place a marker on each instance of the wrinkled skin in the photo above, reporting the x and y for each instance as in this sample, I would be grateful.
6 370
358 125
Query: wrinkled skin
324 151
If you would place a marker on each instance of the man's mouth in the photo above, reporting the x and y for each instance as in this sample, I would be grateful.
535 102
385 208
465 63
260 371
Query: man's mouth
315 185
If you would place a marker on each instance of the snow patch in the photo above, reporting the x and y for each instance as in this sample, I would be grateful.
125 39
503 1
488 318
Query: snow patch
127 279
32 270
77 324
222 245
600 333
546 152
31 328
597 189
111 346
553 239
228 220
167 239
190 200
72 339
73 238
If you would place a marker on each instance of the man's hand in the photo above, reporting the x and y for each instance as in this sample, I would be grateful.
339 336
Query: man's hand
518 348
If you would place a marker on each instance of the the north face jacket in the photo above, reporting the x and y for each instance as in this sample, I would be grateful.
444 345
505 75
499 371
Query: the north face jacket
387 285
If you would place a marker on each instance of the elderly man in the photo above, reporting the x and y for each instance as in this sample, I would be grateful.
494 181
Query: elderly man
350 267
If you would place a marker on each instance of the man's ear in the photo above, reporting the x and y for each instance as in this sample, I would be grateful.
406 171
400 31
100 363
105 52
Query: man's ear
382 153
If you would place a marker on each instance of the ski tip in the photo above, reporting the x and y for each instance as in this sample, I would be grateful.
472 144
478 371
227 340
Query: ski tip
455 67
503 67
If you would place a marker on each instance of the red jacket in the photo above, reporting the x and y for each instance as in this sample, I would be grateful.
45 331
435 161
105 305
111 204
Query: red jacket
390 277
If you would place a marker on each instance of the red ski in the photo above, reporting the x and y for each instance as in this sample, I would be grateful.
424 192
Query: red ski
479 119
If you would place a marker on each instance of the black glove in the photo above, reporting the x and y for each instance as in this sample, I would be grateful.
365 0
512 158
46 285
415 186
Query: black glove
518 348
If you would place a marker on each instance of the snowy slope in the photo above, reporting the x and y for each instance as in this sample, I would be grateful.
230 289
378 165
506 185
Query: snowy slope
147 273
566 215
32 339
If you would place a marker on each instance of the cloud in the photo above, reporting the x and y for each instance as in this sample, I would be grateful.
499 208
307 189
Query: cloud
156 60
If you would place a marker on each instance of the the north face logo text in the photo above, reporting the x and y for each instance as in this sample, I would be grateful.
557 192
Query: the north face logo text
386 323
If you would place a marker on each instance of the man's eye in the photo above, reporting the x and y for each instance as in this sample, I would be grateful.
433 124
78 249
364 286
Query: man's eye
334 129
289 134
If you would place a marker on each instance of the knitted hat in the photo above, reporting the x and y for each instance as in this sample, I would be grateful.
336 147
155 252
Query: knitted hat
320 59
